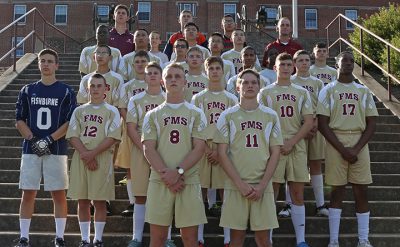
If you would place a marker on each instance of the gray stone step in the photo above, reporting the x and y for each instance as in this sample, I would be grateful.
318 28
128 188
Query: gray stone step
59 71
27 81
75 76
61 66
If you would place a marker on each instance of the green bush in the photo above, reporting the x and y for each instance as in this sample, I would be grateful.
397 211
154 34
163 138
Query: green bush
394 57
385 24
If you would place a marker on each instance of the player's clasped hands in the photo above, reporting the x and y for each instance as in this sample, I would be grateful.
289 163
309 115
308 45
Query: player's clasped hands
169 176
350 155
287 147
212 157
89 159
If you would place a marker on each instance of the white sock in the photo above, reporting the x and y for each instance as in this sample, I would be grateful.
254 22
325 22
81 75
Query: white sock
24 225
299 222
211 197
227 235
85 230
60 227
334 224
317 184
169 232
200 232
130 192
138 221
98 230
363 226
270 235
287 194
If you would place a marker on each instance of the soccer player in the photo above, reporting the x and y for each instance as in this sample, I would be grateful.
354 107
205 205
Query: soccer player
320 69
213 101
155 43
102 56
173 152
228 25
314 140
197 81
141 40
346 118
138 106
43 110
120 37
87 63
184 17
216 45
294 107
269 71
284 43
94 128
248 57
249 140
181 47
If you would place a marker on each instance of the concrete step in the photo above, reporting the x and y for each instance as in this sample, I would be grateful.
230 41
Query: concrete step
61 66
27 81
376 193
384 111
45 238
59 71
75 76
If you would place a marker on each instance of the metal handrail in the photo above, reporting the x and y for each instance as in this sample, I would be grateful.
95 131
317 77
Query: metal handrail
33 34
389 46
257 28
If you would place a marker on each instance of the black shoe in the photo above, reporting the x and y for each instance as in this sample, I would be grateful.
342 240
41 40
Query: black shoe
59 242
84 243
128 212
215 210
98 244
23 242
108 207
91 209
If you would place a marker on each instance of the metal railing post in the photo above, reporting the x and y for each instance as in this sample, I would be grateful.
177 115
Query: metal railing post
340 35
362 52
15 48
327 41
34 29
389 73
44 34
65 44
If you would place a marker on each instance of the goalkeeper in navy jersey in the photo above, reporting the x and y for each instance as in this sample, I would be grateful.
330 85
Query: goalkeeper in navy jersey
43 111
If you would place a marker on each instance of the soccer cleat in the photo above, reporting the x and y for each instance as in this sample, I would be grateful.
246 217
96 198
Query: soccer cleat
108 207
98 244
134 243
123 181
169 243
302 244
59 242
84 243
215 210
364 244
128 212
285 212
322 211
201 244
23 242
333 244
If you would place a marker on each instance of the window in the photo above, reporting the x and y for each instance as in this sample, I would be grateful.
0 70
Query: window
60 16
311 21
192 7
351 14
230 9
271 16
19 10
144 11
102 12
20 50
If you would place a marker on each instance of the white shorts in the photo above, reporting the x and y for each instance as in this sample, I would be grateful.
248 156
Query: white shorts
54 169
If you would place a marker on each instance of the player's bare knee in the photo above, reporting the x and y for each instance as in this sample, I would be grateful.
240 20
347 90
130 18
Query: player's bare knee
262 238
315 167
29 195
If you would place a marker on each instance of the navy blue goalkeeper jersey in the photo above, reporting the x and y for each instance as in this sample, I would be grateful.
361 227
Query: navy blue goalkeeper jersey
44 109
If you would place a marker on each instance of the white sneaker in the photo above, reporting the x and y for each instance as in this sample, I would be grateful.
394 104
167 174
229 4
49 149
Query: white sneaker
364 244
285 212
333 244
322 211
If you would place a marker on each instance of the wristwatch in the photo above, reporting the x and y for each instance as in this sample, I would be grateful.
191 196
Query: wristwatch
180 170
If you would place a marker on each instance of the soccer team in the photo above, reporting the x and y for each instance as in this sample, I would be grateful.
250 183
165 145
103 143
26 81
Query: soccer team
203 123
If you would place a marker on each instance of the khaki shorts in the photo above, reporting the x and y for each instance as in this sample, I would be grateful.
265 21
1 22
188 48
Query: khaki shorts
123 158
187 206
293 167
338 171
53 168
140 172
316 147
237 211
92 185
211 176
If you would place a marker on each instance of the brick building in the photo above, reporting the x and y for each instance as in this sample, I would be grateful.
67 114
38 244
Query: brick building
75 18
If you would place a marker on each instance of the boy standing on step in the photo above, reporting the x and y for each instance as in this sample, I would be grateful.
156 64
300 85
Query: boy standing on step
346 118
43 111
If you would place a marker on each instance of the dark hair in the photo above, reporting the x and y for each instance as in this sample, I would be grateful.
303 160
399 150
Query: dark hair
214 59
320 45
227 16
108 48
182 40
191 24
284 56
153 65
121 6
340 55
141 29
50 52
218 34
247 71
98 76
247 48
142 54
298 53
